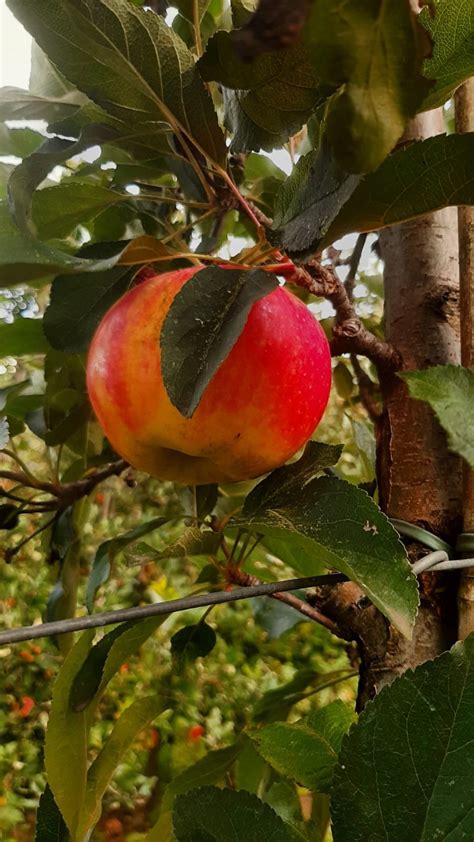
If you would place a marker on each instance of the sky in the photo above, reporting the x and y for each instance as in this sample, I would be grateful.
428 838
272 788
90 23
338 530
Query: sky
15 48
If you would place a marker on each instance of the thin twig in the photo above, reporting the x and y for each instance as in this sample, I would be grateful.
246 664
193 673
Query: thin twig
356 255
171 606
241 578
367 390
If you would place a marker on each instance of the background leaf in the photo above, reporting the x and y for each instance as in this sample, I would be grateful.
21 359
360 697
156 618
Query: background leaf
449 390
405 769
450 24
23 336
203 323
224 815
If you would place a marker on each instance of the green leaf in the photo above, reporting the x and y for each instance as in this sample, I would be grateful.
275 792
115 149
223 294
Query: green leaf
17 104
266 100
276 617
141 84
18 142
24 259
309 201
372 50
193 541
201 327
192 642
66 739
449 390
277 703
50 825
405 770
450 24
126 730
307 750
107 551
26 177
209 814
412 182
211 769
341 525
78 304
58 210
23 336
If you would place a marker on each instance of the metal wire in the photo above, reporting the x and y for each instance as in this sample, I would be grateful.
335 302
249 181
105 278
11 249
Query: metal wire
171 606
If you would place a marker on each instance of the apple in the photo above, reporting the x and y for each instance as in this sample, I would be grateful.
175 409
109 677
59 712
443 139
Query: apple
262 405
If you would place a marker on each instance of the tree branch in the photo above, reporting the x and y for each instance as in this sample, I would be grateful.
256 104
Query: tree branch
349 334
237 576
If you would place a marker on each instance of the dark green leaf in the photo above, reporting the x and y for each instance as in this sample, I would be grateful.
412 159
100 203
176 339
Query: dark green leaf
341 525
206 498
23 336
309 201
266 100
50 825
307 750
449 390
372 50
287 481
414 181
78 304
141 85
450 24
193 642
211 769
209 814
33 170
405 771
9 515
105 658
58 210
18 142
202 325
109 549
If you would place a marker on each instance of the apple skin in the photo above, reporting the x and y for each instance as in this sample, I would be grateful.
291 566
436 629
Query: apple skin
261 406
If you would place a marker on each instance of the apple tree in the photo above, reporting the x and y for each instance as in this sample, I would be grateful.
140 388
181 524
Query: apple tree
149 144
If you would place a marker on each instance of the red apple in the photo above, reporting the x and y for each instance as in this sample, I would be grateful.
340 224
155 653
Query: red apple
261 406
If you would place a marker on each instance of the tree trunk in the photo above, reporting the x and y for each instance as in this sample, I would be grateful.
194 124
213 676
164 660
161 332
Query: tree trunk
464 101
419 479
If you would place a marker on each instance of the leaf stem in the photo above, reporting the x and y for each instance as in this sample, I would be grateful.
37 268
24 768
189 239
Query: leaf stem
197 28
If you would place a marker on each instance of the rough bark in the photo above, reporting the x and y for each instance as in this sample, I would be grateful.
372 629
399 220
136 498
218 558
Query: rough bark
419 479
464 101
